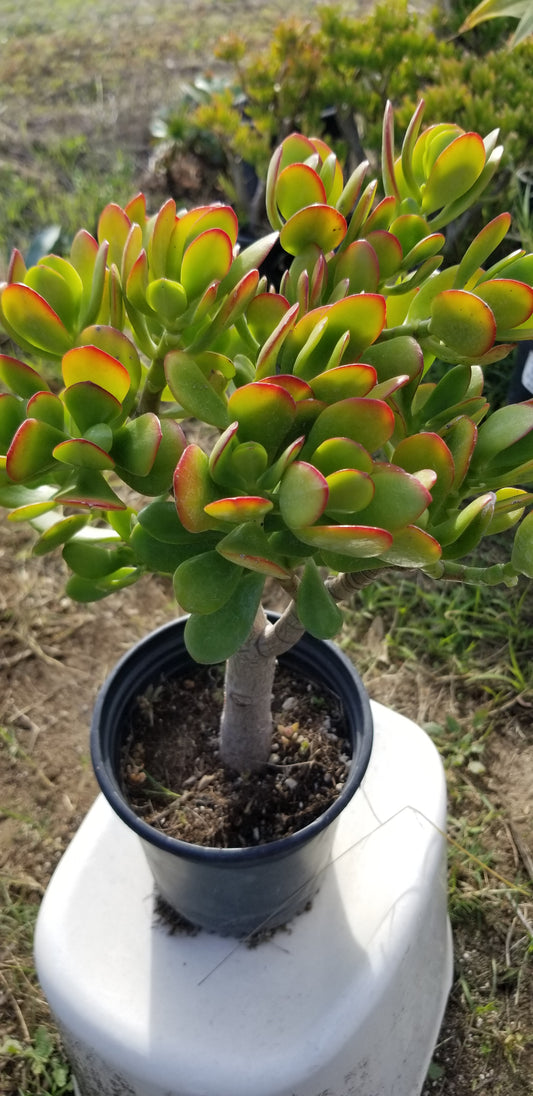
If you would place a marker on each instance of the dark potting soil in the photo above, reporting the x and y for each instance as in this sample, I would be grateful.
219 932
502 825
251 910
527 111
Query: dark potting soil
173 777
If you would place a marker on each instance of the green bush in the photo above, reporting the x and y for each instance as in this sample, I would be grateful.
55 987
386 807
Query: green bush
343 69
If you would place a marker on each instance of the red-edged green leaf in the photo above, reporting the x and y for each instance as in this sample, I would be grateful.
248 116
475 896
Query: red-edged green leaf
318 224
268 355
248 463
298 186
30 452
30 316
117 345
381 215
359 264
201 219
205 305
412 547
400 355
335 454
59 533
88 363
388 250
214 637
158 555
273 475
344 381
160 519
62 295
386 389
362 315
132 250
390 184
351 191
295 386
427 450
361 211
193 389
16 271
20 378
158 248
89 405
15 496
358 541
303 494
47 408
236 301
463 321
265 413
136 209
114 226
83 252
367 421
482 246
159 478
91 490
248 259
509 509
93 561
137 284
318 612
349 491
399 498
87 590
510 302
205 583
410 229
32 511
460 437
12 414
194 490
207 259
294 149
248 546
136 443
168 299
420 255
264 313
220 462
454 171
505 426
474 520
522 554
404 168
239 509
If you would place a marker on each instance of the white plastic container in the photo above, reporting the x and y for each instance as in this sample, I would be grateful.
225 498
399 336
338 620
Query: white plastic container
347 1001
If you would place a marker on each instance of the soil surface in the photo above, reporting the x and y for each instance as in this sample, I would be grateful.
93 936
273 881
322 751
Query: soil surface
187 793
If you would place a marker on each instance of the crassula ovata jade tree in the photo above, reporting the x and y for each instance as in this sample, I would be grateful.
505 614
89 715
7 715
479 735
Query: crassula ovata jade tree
328 453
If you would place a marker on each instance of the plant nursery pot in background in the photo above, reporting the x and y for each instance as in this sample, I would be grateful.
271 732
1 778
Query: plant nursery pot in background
231 891
347 999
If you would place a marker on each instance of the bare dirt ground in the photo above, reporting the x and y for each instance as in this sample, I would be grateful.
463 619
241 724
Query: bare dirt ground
113 63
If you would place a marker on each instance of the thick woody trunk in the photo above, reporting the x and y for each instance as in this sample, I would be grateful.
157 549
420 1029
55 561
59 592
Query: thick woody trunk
246 722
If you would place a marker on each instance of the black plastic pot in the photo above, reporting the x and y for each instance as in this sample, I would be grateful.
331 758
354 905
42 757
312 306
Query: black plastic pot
234 892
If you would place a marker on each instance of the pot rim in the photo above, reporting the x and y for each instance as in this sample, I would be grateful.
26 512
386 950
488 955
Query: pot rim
306 649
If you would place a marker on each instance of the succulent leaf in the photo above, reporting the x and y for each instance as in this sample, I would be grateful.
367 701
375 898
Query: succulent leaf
318 612
303 495
205 582
214 637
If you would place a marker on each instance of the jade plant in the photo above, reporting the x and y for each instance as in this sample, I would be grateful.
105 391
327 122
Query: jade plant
195 421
